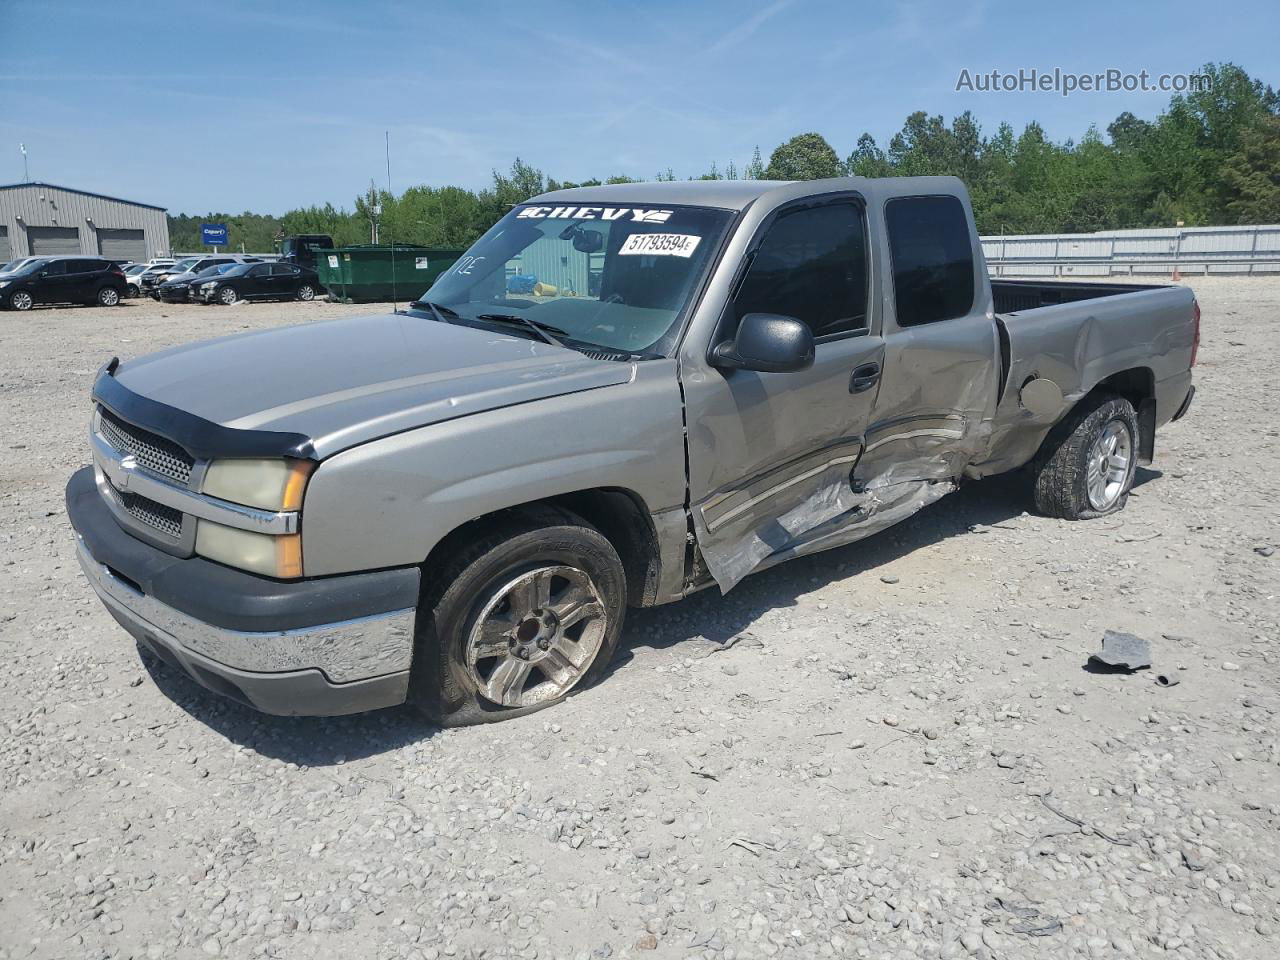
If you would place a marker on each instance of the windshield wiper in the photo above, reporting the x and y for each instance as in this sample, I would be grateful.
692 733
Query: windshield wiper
544 330
437 311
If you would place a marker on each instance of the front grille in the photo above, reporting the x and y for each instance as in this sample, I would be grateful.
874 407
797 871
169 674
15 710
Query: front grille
145 510
154 453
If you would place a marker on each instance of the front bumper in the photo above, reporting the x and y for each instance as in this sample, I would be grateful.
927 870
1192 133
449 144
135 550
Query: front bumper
322 647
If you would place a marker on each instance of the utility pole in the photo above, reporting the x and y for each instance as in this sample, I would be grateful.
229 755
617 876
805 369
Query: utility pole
26 174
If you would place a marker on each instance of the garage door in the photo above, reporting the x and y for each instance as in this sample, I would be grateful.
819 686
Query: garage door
53 241
6 251
122 245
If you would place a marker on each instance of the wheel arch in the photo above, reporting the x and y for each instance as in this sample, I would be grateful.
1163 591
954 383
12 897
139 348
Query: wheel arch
1138 386
621 516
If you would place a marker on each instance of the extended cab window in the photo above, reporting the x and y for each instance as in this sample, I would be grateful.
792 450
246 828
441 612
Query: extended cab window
811 265
932 257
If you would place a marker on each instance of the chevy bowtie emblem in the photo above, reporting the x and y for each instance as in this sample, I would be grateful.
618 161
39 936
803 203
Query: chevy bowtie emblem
127 466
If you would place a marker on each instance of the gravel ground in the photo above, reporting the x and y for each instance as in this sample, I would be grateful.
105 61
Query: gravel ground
890 750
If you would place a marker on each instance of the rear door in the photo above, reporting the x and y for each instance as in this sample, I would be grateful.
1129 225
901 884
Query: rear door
256 282
771 455
941 363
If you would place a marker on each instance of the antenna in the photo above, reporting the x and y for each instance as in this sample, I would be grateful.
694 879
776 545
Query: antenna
26 174
395 304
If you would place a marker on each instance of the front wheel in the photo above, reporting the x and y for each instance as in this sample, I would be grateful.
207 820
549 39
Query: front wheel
1087 466
306 292
528 614
108 297
21 300
227 296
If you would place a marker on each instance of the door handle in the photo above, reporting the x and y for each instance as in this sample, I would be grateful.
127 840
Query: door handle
864 377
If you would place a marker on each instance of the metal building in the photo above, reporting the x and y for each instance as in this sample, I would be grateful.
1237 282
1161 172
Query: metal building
40 219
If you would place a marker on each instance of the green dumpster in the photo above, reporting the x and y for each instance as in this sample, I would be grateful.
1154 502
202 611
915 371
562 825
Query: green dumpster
365 273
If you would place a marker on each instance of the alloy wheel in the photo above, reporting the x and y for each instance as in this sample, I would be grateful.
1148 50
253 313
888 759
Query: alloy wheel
536 636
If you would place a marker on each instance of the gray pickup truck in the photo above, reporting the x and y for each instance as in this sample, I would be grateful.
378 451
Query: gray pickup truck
620 395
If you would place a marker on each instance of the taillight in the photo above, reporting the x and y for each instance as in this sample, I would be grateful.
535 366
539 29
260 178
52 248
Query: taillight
1195 333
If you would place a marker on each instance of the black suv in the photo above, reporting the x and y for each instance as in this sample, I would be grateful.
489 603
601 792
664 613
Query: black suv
87 280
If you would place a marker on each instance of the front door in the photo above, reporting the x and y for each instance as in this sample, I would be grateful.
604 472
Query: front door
53 284
771 455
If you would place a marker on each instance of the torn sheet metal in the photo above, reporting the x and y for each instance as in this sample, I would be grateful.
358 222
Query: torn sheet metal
738 527
833 515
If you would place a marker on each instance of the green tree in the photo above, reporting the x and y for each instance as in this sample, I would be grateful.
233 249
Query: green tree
755 169
804 157
1251 175
868 160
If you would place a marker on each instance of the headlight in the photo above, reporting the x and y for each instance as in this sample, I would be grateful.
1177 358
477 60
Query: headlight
266 484
209 286
272 556
4 283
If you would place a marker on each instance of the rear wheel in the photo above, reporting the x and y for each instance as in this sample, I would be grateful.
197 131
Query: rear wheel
528 613
306 292
1087 466
21 300
227 296
108 297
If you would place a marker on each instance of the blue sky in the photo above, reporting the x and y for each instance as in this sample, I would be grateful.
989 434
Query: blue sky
266 106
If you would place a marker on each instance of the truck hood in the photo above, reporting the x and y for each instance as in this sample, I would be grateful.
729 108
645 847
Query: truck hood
347 381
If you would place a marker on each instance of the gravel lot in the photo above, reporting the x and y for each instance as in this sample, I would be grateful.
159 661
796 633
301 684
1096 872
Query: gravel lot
890 750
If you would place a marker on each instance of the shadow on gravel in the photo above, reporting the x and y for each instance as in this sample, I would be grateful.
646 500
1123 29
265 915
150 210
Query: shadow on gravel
718 618
306 741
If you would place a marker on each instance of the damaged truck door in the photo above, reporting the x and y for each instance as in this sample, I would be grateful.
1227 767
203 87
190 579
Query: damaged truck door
898 401
771 455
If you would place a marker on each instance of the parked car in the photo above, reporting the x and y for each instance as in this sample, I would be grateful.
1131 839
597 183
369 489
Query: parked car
178 290
488 480
13 265
85 280
187 268
257 281
133 278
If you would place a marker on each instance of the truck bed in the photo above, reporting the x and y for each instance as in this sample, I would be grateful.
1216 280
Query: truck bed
1135 337
1011 296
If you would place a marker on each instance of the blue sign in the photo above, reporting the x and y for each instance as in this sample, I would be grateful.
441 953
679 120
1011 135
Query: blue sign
213 234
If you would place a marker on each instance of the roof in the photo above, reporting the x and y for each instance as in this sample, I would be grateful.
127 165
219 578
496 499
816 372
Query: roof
86 193
726 194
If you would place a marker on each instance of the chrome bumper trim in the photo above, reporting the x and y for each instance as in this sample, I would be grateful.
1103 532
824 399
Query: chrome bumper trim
345 651
125 474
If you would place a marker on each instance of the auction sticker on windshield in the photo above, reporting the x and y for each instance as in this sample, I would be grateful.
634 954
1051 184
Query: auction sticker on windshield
660 245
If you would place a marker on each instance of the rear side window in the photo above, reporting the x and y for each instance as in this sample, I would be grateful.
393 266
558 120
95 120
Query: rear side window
932 257
811 265
284 269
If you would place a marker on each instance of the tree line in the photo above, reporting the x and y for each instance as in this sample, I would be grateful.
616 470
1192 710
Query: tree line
1212 157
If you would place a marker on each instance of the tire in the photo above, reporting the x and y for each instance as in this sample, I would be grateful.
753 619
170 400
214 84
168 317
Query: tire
306 292
20 300
227 296
486 598
108 297
1087 464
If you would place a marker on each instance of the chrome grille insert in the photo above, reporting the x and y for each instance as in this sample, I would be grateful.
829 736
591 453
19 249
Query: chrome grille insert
145 510
152 452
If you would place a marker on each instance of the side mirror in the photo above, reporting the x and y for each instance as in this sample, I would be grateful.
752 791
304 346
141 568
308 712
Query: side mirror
767 343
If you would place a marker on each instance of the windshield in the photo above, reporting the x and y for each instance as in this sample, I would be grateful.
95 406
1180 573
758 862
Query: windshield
182 266
618 277
136 269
